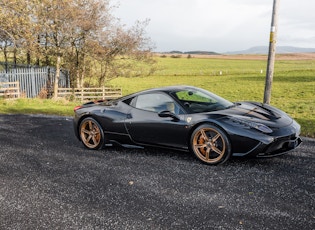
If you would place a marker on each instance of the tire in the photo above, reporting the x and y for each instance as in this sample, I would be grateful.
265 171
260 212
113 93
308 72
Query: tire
91 134
210 144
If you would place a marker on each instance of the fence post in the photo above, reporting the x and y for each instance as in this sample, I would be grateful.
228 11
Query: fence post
33 83
103 91
18 89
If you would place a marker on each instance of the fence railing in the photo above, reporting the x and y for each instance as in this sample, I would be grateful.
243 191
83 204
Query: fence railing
85 94
10 89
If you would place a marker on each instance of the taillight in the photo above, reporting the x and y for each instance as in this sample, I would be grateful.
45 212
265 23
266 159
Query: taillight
77 107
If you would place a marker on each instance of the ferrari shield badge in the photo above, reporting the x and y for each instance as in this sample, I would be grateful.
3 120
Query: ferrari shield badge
188 119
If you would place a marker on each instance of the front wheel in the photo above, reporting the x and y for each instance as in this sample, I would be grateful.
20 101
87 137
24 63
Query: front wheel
210 144
91 134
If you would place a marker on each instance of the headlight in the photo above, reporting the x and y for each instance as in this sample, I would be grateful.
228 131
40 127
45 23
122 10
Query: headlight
261 127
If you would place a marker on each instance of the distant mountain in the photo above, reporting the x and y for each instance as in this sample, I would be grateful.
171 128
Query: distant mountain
253 50
279 49
201 52
193 52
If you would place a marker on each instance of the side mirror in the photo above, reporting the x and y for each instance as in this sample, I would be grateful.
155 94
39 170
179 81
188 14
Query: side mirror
167 113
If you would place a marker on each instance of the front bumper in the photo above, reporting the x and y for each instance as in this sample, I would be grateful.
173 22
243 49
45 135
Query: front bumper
281 141
280 146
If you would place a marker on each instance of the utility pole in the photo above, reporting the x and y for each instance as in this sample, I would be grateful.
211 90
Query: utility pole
272 52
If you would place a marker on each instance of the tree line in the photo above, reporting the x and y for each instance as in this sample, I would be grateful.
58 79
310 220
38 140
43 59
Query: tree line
81 36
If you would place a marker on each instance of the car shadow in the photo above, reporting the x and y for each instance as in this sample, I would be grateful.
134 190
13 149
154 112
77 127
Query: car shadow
183 156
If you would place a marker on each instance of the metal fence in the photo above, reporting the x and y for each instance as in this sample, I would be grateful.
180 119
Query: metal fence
34 79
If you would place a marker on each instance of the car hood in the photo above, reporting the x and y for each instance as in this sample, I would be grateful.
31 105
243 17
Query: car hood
260 113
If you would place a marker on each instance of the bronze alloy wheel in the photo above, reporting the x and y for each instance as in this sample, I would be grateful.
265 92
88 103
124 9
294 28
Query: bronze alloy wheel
210 144
91 134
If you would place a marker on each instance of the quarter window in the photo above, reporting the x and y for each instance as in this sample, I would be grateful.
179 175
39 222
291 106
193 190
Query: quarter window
156 102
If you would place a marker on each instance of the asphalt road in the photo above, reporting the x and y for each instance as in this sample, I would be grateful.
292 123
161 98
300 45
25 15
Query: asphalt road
49 181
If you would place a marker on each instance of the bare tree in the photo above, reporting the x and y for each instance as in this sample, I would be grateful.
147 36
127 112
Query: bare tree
119 49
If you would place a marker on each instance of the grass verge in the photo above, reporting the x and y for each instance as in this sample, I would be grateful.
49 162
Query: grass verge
37 106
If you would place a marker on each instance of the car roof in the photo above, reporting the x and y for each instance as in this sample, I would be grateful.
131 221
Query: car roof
165 89
168 89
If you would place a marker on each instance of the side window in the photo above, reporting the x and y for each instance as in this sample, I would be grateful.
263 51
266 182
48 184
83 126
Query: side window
156 102
129 101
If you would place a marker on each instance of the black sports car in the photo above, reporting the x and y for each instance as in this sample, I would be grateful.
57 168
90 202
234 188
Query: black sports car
187 118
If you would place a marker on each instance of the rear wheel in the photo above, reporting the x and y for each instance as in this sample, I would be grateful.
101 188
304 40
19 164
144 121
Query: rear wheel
91 133
210 144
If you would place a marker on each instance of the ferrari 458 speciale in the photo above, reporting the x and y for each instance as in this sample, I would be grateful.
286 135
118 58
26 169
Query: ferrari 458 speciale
190 119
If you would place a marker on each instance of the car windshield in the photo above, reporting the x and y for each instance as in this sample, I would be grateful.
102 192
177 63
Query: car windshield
200 101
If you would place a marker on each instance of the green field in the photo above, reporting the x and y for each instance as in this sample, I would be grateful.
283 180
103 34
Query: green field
293 86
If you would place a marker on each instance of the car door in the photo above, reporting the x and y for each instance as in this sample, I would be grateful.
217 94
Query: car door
146 126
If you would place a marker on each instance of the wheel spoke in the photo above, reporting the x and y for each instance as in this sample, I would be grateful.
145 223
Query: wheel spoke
96 131
199 146
86 131
94 140
90 124
218 151
208 154
214 139
204 135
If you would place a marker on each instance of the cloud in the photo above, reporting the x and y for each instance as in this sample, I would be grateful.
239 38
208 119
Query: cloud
297 23
220 26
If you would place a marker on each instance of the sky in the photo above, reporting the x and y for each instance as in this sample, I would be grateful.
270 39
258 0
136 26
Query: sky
220 25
